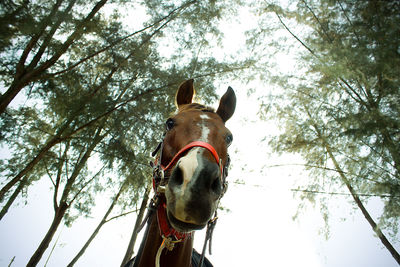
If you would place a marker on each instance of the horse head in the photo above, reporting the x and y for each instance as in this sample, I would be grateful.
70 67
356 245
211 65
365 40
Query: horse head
195 153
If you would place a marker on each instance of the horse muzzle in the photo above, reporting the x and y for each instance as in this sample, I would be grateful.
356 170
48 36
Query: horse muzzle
193 191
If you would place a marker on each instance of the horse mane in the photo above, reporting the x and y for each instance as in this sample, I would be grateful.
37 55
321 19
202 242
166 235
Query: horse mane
196 106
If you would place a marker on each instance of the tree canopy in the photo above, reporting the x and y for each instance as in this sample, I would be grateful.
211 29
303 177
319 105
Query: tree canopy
86 86
340 110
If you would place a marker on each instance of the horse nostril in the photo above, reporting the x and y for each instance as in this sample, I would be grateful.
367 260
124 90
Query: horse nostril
216 186
176 178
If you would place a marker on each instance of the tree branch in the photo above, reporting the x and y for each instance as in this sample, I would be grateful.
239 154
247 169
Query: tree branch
318 21
49 174
85 184
120 215
50 35
21 64
59 172
342 194
116 42
80 164
348 19
298 39
78 32
358 99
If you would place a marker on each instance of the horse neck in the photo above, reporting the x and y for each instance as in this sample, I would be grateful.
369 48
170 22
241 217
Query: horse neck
180 255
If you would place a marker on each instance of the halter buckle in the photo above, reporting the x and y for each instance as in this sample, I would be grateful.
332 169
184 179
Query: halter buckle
161 189
158 172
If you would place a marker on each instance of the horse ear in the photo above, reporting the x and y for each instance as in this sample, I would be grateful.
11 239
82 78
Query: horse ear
185 93
227 105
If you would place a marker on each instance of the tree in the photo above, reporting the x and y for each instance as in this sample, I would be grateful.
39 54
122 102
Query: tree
39 33
111 59
343 116
71 72
99 101
106 218
61 207
138 223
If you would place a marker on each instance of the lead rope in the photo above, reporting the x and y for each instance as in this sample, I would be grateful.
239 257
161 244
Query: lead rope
166 243
210 229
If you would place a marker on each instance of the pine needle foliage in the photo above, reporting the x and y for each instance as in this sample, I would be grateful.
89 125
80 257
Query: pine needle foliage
339 109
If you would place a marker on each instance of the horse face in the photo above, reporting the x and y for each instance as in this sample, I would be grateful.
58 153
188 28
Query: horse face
195 184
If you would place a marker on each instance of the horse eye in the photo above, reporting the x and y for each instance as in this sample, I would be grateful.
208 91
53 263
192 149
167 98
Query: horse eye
228 139
169 124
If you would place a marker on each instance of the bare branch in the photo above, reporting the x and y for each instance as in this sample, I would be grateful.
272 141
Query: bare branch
342 194
297 38
121 215
59 173
319 22
85 184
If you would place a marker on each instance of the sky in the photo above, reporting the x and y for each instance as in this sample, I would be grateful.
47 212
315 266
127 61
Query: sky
258 229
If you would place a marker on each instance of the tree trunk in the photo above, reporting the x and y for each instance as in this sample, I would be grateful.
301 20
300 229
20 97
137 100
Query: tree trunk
29 167
132 241
364 211
58 216
12 260
13 197
60 211
353 193
57 138
96 231
9 95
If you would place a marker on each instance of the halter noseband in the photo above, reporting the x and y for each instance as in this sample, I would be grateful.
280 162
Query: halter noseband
159 170
192 145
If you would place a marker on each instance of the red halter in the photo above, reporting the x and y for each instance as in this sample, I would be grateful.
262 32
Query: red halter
165 229
189 146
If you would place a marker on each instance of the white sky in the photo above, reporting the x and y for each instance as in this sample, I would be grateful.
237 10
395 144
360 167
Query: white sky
258 231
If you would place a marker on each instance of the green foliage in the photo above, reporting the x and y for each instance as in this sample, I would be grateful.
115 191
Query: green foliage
347 101
96 93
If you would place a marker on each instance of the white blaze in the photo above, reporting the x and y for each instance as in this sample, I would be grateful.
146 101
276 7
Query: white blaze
204 129
188 165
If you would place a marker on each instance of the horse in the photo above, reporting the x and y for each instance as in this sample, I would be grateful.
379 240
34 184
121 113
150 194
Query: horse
189 179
